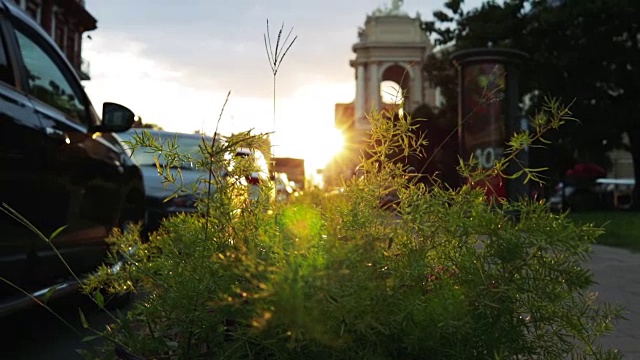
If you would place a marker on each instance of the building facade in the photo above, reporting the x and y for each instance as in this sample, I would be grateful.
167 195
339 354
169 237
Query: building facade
65 21
392 47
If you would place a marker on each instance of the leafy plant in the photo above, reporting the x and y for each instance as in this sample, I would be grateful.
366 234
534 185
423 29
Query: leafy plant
448 276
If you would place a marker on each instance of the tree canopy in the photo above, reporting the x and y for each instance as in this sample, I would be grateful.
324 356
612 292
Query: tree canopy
582 51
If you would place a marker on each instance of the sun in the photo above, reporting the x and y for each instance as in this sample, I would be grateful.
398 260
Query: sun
329 143
306 125
317 146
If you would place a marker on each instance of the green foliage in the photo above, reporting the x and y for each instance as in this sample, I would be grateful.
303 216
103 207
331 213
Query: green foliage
150 126
621 227
334 276
585 50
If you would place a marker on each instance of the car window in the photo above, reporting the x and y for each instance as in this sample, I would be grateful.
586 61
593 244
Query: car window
6 74
186 145
47 81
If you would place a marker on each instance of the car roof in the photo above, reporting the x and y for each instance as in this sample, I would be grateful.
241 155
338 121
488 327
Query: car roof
165 133
248 151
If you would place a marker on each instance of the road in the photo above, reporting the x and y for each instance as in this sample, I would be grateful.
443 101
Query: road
35 334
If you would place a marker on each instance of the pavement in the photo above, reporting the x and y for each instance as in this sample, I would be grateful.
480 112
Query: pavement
616 273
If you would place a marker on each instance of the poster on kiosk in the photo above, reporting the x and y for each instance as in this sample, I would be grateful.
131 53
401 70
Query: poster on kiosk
489 113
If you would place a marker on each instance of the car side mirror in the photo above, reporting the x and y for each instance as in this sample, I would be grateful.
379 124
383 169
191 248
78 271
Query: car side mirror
116 118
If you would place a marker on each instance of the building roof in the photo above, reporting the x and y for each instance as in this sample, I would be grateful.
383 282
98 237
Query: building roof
345 115
77 9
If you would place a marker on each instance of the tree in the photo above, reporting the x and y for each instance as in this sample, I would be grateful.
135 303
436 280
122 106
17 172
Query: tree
140 125
585 51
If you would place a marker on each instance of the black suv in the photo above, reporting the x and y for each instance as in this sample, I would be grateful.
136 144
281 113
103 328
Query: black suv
61 166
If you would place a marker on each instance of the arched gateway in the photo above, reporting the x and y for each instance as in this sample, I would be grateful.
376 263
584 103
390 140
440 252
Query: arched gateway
392 47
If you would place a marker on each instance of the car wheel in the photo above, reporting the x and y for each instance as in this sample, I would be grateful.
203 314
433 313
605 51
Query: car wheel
583 201
128 224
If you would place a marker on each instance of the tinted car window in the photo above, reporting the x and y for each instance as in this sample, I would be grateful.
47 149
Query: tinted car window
5 71
47 82
185 145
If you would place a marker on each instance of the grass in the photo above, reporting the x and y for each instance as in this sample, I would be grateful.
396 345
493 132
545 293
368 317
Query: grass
622 228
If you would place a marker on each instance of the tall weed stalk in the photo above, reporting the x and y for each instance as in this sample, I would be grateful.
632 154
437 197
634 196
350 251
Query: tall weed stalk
275 55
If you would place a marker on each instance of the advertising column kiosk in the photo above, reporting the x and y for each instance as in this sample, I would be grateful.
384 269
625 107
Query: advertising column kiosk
489 113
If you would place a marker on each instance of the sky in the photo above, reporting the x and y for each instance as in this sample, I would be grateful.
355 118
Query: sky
174 62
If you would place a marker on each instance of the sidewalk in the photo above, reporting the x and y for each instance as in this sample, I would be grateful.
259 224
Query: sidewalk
617 273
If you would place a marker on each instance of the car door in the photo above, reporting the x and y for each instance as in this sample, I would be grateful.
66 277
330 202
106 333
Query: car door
83 170
21 163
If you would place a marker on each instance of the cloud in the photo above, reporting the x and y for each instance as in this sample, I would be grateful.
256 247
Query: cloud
164 95
223 45
152 89
220 44
173 63
241 66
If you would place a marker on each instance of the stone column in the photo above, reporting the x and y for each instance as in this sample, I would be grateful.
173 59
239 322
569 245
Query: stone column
417 94
360 96
374 88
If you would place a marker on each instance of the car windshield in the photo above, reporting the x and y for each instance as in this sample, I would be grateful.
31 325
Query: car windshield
187 144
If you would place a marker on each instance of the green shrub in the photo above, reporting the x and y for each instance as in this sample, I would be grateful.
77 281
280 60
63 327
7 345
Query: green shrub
447 276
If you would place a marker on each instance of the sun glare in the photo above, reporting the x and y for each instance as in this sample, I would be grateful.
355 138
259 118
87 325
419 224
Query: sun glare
317 147
311 136
328 146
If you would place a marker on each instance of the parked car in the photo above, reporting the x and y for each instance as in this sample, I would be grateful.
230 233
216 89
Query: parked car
257 178
62 167
601 193
567 196
579 189
159 193
284 188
